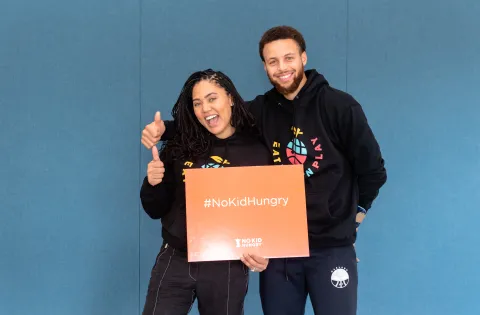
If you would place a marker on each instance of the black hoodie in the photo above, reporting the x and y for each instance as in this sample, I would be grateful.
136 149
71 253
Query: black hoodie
325 130
166 201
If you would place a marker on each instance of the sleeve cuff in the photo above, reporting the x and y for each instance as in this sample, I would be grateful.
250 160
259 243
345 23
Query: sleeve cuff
361 209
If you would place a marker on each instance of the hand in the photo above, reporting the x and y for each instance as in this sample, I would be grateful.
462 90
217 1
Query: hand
357 257
254 262
152 132
359 219
155 169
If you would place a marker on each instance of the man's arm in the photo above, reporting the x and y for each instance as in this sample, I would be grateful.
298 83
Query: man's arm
363 152
169 130
255 107
351 132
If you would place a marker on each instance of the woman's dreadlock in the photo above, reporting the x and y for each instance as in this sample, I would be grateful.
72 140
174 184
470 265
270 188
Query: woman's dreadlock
192 140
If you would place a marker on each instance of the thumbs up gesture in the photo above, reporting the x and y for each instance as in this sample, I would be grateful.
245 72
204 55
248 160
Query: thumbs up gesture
155 169
152 132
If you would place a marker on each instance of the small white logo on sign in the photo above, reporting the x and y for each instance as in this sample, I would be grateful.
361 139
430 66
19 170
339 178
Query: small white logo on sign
248 242
340 277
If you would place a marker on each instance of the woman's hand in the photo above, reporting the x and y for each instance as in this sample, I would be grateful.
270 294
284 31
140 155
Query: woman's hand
254 262
155 169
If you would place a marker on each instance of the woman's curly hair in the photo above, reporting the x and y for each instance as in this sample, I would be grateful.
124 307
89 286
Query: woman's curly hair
192 140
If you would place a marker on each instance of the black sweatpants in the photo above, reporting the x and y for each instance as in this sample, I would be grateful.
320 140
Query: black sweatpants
219 286
329 276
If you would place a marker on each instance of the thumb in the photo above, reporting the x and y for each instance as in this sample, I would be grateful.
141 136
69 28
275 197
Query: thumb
157 118
155 154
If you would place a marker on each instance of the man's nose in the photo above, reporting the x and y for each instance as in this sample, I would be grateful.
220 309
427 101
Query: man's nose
282 65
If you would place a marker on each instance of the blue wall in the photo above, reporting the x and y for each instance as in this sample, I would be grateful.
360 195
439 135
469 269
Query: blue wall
79 80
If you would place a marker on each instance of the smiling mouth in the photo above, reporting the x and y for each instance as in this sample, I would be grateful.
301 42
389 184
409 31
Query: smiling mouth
212 120
286 77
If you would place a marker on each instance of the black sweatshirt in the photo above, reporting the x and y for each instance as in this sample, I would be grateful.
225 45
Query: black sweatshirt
325 130
166 201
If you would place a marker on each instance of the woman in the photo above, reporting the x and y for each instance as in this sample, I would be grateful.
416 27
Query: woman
213 129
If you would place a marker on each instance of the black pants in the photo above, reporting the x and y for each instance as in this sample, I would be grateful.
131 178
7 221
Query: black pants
329 276
219 286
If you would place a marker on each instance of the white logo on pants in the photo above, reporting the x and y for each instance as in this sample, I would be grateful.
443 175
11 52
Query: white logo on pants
340 277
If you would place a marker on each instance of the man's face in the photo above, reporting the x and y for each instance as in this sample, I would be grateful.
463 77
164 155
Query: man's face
284 65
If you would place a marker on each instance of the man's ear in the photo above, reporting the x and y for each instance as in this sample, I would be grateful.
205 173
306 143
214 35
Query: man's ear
304 58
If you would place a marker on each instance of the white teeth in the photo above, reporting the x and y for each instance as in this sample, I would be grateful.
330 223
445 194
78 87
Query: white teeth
210 117
285 76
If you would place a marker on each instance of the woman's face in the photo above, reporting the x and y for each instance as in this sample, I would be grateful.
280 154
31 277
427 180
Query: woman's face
213 108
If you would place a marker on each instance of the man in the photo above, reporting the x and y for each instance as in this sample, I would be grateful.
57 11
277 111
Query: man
305 121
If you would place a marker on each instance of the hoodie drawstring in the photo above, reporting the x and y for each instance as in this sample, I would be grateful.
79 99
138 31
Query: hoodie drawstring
205 160
294 149
294 122
226 151
294 132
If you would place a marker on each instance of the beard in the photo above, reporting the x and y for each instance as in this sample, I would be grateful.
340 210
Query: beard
297 79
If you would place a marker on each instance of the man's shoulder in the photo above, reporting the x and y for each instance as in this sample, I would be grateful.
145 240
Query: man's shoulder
338 100
258 104
259 100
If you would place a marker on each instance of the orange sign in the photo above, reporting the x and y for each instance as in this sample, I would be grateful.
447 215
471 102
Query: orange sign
235 210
